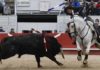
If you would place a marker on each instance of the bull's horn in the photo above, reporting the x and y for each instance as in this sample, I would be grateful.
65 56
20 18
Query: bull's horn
61 51
10 35
57 35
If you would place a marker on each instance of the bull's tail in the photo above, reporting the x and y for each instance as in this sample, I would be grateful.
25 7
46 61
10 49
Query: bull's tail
61 51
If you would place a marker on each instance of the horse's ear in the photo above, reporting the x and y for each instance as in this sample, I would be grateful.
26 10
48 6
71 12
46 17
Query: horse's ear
68 24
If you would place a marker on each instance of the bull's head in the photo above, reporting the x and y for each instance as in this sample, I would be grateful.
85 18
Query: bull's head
61 51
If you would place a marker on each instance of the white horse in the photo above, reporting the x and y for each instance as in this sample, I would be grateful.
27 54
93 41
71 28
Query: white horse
82 31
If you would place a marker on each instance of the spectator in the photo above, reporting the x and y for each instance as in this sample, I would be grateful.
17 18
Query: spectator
96 0
34 31
97 23
7 10
93 0
55 31
88 0
98 5
12 31
91 7
1 29
1 8
83 9
98 8
97 26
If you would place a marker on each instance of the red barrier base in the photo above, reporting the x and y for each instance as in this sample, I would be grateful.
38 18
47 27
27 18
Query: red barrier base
71 52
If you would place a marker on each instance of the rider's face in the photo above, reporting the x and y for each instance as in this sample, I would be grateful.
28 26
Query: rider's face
69 11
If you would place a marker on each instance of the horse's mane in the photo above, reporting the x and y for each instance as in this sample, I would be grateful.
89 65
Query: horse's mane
89 19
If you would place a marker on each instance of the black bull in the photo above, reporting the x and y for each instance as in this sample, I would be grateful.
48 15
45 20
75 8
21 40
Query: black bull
30 44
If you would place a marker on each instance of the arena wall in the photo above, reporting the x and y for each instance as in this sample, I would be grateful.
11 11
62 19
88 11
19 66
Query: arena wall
8 22
64 39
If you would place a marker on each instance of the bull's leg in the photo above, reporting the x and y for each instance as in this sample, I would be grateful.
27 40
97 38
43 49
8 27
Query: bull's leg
19 55
38 61
54 59
0 61
79 57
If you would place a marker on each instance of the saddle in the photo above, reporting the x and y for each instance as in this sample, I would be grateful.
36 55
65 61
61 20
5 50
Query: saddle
95 29
91 24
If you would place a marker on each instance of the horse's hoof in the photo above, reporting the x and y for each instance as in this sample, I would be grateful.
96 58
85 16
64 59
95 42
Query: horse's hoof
79 58
85 62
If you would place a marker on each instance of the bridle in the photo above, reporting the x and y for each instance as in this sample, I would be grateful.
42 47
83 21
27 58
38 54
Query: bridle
78 33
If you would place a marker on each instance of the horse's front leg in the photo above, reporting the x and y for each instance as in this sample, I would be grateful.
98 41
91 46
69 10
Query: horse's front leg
87 53
79 57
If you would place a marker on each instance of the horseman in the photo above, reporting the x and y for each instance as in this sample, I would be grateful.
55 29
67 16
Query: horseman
88 20
70 11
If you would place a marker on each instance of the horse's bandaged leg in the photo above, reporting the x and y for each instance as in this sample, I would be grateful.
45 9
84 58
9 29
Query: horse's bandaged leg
88 48
78 45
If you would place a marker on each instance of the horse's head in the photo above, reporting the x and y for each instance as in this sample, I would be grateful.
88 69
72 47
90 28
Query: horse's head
72 29
76 26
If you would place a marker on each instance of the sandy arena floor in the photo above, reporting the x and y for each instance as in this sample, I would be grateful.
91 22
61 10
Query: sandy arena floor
27 62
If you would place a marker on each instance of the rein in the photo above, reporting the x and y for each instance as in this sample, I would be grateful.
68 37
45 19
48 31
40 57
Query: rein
78 34
86 32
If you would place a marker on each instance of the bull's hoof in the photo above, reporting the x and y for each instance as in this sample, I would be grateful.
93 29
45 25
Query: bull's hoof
79 58
39 66
60 64
19 55
0 62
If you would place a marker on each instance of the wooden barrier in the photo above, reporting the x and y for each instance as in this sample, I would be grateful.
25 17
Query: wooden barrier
63 39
